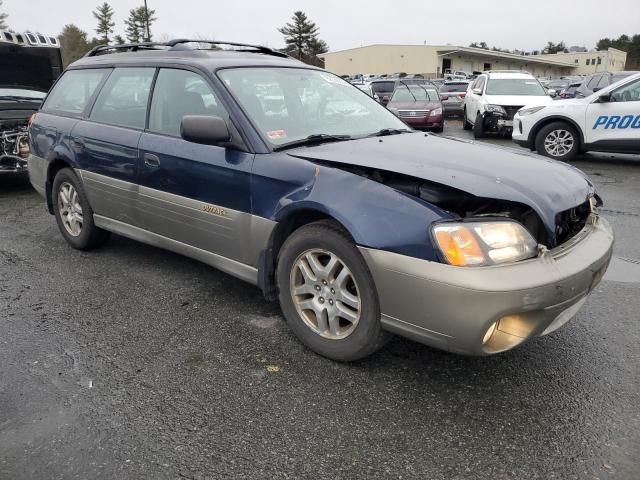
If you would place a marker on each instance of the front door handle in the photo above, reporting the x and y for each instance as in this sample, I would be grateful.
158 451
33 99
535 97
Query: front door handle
151 160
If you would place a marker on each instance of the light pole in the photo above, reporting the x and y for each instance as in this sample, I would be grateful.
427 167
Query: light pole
146 21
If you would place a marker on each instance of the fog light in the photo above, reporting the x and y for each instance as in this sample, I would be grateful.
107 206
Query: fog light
487 336
508 332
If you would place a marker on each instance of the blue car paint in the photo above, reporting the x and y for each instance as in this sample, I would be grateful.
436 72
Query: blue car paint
375 215
485 171
616 121
106 149
203 172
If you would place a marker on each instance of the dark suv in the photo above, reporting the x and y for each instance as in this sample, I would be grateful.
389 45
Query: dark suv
292 179
598 81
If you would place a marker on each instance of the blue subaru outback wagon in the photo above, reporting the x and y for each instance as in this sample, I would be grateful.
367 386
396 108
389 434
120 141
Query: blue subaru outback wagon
288 177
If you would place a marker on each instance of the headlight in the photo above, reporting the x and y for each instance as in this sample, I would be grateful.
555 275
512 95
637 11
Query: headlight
496 109
523 112
476 244
436 111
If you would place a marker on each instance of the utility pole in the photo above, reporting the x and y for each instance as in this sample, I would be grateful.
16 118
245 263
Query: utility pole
146 21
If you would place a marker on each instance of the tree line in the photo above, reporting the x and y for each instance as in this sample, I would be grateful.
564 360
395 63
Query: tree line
301 35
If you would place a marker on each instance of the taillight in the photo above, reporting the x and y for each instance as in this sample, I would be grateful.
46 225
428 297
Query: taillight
463 94
444 97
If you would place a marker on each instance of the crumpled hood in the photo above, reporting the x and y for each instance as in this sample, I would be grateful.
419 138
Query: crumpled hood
547 186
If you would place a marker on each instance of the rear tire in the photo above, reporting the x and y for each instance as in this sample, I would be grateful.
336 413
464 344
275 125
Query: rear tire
478 127
465 123
73 212
558 140
335 310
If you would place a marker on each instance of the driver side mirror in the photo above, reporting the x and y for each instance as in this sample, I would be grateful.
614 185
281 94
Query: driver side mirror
476 91
604 98
205 129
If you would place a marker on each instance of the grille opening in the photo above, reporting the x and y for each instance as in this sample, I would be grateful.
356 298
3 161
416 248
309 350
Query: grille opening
570 222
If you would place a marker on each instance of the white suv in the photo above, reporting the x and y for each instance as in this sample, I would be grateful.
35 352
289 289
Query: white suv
606 121
495 96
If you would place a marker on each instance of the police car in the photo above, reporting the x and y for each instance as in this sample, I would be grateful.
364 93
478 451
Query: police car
606 121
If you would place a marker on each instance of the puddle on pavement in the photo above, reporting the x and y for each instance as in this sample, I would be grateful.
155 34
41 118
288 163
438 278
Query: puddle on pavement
623 270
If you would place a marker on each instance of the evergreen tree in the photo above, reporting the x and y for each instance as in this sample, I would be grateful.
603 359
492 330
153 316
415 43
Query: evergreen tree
3 17
104 15
631 45
140 19
555 48
301 39
73 44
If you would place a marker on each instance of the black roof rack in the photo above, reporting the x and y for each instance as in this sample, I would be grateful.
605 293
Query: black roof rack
179 44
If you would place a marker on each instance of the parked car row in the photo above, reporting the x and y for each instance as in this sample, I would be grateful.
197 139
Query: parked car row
516 104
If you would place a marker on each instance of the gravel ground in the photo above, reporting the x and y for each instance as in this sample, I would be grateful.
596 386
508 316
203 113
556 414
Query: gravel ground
132 362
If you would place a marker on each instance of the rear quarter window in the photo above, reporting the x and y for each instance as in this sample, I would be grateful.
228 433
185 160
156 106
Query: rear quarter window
73 91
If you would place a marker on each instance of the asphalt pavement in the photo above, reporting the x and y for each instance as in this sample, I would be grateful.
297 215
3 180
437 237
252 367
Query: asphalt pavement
133 362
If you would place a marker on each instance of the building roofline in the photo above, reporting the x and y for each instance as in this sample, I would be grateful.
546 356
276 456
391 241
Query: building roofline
456 48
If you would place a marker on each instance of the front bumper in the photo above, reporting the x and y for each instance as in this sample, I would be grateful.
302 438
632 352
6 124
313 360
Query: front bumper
12 166
452 308
432 121
521 129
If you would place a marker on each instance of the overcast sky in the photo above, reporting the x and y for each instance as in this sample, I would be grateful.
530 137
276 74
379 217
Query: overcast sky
351 23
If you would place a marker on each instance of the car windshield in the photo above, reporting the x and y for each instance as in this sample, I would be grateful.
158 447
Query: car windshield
414 94
454 87
19 92
290 104
514 86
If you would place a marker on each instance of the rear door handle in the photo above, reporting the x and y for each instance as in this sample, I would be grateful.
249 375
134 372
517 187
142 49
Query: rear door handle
151 160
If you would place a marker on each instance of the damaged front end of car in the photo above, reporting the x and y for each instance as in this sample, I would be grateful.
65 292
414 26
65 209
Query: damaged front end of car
14 147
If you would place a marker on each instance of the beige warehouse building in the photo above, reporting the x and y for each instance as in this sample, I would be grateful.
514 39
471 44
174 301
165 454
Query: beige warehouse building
433 60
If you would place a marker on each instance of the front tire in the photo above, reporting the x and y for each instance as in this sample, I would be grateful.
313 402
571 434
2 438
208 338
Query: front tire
478 127
73 212
465 123
327 294
558 140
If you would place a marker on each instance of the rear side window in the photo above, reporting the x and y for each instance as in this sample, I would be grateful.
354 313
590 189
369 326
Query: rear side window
123 99
74 90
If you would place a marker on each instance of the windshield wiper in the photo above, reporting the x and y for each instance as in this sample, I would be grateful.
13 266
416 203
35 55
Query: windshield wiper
315 139
390 131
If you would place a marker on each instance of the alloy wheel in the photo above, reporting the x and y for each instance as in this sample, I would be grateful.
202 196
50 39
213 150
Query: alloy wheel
325 294
558 142
70 209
